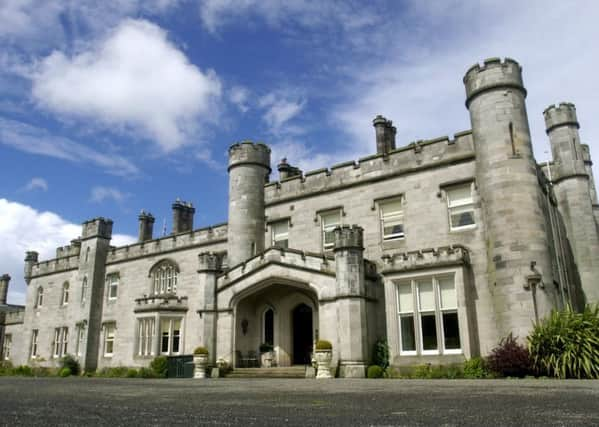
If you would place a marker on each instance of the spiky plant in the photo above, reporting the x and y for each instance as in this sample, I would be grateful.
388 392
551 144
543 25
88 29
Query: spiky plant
566 344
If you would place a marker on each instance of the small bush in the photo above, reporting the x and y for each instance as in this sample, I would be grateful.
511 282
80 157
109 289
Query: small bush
132 373
23 370
566 344
159 366
423 372
200 350
6 368
375 371
70 362
65 372
476 368
381 354
509 359
323 345
146 373
42 371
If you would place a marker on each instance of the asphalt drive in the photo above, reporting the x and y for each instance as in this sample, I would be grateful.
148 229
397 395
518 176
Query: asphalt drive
274 402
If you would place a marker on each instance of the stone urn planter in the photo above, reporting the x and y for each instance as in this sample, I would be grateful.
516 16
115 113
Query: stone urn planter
323 355
266 355
200 362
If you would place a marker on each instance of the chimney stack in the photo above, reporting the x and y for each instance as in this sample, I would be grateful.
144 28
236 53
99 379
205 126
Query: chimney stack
146 226
4 280
286 170
182 216
385 134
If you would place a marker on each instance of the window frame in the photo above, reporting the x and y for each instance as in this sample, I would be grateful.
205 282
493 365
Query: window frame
164 278
80 344
461 207
113 281
6 346
146 336
273 233
64 299
84 290
39 297
61 342
171 336
327 247
109 332
438 311
34 347
389 217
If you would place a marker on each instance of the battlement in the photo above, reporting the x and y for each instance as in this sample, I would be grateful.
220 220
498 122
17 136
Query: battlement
494 73
247 152
55 265
563 114
74 249
97 227
14 315
209 261
586 153
349 237
426 258
414 157
196 238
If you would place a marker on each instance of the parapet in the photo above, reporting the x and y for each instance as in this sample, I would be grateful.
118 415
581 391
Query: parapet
247 152
349 237
31 256
426 258
97 227
69 250
493 74
563 114
209 261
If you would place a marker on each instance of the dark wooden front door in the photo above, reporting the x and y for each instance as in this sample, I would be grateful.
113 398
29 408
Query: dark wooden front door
302 334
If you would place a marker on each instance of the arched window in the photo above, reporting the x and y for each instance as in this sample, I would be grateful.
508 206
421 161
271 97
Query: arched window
65 294
39 299
164 278
84 291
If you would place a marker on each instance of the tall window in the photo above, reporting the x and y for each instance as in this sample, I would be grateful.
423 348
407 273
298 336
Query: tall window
329 221
460 207
280 234
428 316
80 340
39 298
34 346
109 329
65 294
112 284
170 336
6 347
61 341
84 291
164 278
392 219
145 336
269 326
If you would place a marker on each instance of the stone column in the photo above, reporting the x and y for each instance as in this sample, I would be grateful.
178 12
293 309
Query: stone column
351 301
209 267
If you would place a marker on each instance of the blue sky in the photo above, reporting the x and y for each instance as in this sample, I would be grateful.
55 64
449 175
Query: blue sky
109 109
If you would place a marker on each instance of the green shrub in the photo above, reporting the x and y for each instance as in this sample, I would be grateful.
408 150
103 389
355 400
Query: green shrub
132 373
476 368
159 366
566 344
23 370
375 371
381 354
65 372
6 367
323 345
423 372
42 371
146 373
200 350
70 362
509 359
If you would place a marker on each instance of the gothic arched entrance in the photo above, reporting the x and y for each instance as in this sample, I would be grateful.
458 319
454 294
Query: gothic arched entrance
302 334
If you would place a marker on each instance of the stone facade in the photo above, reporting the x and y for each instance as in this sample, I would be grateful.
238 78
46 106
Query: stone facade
441 247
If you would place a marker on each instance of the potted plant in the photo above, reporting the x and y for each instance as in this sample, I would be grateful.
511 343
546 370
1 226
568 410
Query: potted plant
200 362
323 354
266 355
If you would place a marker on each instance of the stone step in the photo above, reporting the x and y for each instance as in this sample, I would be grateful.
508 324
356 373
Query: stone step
279 372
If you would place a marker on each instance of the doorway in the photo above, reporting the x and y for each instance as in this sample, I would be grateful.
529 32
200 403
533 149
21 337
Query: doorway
302 334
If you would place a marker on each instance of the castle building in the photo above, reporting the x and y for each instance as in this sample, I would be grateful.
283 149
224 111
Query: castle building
441 247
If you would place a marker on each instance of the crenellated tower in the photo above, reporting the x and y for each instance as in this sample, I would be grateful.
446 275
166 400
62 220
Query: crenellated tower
518 262
573 188
249 167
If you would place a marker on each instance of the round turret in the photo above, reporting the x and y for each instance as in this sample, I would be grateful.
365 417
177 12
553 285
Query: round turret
493 74
563 114
249 167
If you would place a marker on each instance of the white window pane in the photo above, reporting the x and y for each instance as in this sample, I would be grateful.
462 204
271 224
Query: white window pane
406 301
459 196
331 219
461 217
426 295
391 208
447 293
408 337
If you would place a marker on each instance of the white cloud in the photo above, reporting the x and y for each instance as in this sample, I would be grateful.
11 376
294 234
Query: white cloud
239 96
100 194
419 82
34 140
280 108
134 79
22 229
300 155
37 184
